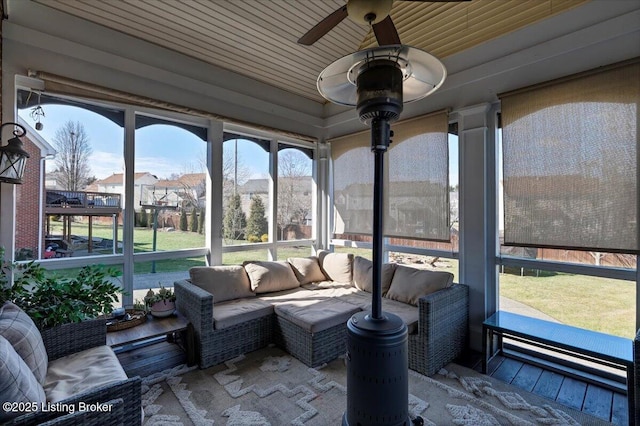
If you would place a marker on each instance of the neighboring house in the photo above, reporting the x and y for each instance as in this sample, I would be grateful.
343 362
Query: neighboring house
30 193
185 191
294 194
115 184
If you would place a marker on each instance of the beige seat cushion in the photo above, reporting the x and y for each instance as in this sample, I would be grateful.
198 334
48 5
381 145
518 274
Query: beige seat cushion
233 312
224 282
270 276
307 269
336 266
318 316
17 382
82 371
363 274
408 313
328 289
410 284
24 336
298 294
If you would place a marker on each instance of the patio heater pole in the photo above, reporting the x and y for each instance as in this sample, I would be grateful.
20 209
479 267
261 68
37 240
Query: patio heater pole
376 81
380 140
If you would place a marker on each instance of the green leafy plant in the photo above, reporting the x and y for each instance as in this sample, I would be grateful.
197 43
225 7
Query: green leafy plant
164 294
51 300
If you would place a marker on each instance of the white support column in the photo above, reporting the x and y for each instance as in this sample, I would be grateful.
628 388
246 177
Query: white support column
128 214
478 215
321 221
273 200
7 190
213 210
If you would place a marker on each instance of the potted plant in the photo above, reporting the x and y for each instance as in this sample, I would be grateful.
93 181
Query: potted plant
51 300
161 303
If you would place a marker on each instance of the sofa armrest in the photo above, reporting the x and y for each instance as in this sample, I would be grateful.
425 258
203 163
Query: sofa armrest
443 311
74 337
195 304
129 390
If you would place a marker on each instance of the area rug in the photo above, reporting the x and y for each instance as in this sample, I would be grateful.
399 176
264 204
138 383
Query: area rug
270 387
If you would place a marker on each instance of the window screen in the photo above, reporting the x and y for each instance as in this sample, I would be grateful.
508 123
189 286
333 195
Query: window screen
570 162
416 181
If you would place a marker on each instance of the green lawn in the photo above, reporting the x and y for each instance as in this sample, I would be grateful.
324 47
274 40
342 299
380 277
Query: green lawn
600 304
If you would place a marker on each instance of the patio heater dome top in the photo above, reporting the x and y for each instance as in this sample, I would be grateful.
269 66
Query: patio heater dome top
421 73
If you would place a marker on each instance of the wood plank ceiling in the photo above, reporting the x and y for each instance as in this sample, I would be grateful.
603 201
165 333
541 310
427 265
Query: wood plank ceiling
257 38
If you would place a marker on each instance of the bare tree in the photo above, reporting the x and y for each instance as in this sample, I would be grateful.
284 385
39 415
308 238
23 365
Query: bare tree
294 198
72 161
234 171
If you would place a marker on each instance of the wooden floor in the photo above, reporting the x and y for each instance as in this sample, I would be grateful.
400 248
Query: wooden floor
589 398
580 395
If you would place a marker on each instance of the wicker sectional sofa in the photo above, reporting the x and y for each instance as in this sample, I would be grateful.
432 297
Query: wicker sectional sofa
303 305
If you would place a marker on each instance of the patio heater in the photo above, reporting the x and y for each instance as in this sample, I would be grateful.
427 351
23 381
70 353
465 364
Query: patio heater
378 82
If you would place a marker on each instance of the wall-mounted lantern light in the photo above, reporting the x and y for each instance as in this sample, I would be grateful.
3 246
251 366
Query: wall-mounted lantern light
13 157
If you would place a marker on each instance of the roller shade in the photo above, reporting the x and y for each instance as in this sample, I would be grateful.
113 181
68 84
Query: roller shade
570 161
416 181
56 84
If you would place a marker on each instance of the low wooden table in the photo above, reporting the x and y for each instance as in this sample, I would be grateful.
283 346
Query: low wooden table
175 327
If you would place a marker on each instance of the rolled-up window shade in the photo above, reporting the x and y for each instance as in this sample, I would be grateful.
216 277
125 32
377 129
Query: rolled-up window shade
570 155
67 86
416 181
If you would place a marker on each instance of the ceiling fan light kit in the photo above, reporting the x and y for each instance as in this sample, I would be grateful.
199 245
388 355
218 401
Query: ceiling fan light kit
368 12
378 82
372 13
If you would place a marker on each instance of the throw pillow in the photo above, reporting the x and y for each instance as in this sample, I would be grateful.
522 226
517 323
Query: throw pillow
224 282
410 284
307 269
24 336
363 274
270 276
336 266
17 382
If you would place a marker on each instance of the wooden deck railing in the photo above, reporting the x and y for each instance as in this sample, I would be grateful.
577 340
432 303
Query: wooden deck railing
82 199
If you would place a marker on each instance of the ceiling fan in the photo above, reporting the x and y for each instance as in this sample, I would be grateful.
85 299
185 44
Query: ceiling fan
364 12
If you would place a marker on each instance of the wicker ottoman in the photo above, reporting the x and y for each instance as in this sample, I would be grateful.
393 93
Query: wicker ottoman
314 333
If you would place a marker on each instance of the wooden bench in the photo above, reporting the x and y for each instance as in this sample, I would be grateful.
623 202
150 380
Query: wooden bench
601 348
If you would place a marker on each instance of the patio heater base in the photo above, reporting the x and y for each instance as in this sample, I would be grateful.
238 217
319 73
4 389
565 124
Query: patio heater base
377 371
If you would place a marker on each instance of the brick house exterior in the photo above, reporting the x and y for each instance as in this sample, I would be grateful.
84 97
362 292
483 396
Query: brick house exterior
29 194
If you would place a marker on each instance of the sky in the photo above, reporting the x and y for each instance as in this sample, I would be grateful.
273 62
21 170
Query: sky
161 150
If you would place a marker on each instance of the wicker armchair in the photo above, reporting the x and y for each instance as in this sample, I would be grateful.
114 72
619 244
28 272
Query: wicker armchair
124 396
442 329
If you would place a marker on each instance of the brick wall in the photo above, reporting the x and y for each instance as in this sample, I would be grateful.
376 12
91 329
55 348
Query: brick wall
27 205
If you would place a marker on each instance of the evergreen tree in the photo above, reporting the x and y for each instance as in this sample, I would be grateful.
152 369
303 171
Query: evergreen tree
183 221
234 221
257 223
193 221
201 222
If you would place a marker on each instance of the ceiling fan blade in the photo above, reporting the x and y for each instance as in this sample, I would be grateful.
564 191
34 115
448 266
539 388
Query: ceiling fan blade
386 32
323 27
